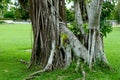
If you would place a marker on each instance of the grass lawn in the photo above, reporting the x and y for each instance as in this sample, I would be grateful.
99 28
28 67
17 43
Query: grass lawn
15 38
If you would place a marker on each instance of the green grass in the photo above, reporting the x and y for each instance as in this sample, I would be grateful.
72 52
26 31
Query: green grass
15 38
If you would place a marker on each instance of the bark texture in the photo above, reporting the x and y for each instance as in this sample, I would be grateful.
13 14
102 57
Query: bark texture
95 48
45 25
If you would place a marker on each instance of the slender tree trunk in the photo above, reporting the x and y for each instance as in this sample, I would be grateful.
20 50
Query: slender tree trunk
81 19
78 16
47 27
96 53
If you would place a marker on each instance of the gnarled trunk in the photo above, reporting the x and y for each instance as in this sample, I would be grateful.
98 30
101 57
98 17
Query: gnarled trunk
47 29
45 25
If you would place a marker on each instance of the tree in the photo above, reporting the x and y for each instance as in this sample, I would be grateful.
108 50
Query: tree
53 41
3 6
95 48
117 12
9 14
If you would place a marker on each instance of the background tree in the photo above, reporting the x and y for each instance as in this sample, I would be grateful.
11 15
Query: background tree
13 10
3 6
107 9
117 12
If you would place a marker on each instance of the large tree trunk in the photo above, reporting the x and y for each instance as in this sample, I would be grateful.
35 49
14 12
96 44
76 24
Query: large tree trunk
45 27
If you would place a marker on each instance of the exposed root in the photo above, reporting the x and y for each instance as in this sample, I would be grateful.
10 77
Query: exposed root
29 78
37 72
24 62
82 69
49 65
77 66
83 72
33 75
29 65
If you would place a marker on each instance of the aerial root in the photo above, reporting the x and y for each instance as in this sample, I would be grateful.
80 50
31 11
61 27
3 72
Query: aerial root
24 62
49 65
34 74
83 72
29 78
82 69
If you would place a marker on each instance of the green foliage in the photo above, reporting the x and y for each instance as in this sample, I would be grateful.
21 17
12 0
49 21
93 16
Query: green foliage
1 22
65 40
72 27
9 14
1 7
4 5
70 15
106 27
15 12
75 30
107 8
85 27
21 14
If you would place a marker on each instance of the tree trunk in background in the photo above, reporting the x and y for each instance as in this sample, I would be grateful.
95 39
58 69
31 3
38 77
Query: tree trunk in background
45 25
96 52
81 19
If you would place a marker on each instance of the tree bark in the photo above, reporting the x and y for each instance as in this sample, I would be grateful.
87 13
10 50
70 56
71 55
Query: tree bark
95 43
45 25
78 48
